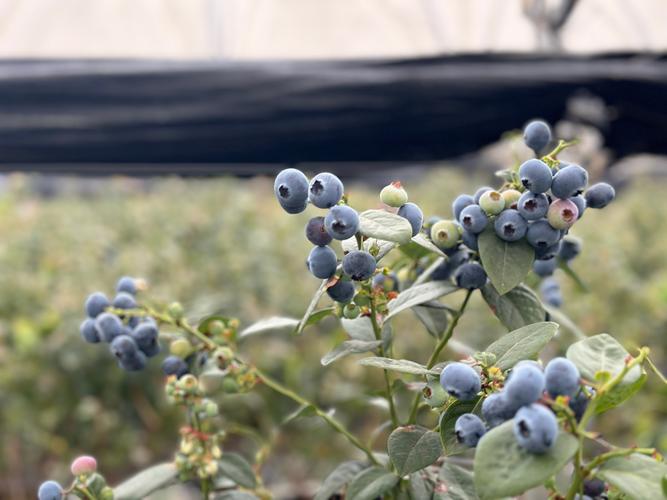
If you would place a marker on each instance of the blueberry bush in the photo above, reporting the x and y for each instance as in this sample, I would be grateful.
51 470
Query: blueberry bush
527 422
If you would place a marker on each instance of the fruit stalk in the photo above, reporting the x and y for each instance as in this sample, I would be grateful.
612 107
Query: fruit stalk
390 393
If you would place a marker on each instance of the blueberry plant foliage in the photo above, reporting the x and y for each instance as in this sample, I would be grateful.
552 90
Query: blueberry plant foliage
527 422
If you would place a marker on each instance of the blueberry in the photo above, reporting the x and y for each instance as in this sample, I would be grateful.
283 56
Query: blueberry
126 284
535 176
525 385
540 234
429 223
173 365
96 303
50 490
570 248
387 282
134 362
496 410
553 296
316 232
562 214
124 300
359 265
470 276
146 337
562 377
478 194
492 202
578 404
108 326
470 240
322 262
545 267
536 135
325 190
469 429
342 222
569 181
461 201
445 234
342 291
88 331
593 487
445 270
546 253
461 381
414 215
535 428
533 206
473 218
549 284
580 202
291 190
394 195
599 195
511 197
510 225
123 346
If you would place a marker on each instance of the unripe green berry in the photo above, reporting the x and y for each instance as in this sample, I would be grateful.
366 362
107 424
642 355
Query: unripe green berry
211 409
106 493
492 202
175 310
187 382
362 300
216 328
229 385
181 348
351 311
95 483
445 233
394 195
511 197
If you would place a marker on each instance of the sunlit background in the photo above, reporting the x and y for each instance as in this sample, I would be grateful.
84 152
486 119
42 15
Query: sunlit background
217 241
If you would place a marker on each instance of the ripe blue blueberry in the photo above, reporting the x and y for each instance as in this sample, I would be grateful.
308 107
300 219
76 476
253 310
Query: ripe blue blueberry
325 190
569 181
525 385
535 176
359 265
342 291
173 365
322 262
570 248
478 194
594 487
146 337
124 300
535 428
316 232
291 190
126 284
562 377
469 429
533 206
133 363
578 404
342 222
123 346
88 331
537 135
414 215
470 240
108 326
473 218
510 225
547 253
580 203
96 303
599 195
445 270
545 267
387 282
50 490
470 276
540 234
496 410
551 293
461 381
461 201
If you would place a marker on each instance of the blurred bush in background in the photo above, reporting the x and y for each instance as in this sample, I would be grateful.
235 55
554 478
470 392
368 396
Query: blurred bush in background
224 245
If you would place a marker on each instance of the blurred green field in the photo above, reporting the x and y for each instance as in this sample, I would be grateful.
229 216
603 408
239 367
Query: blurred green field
223 245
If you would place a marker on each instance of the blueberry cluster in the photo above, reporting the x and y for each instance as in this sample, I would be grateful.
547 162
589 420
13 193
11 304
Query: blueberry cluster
535 425
132 339
88 483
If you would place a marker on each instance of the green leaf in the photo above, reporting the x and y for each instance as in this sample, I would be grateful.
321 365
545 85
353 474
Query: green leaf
518 307
459 483
311 307
503 468
419 488
397 365
371 483
319 315
273 324
236 468
335 481
146 482
304 410
411 448
416 295
603 353
359 328
350 347
446 424
385 226
506 264
434 319
524 343
638 476
427 244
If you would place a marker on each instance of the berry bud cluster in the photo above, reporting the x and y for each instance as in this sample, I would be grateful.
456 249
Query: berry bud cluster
88 483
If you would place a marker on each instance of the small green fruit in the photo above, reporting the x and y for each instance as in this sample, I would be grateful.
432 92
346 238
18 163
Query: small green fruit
181 348
511 197
175 310
216 328
351 311
394 195
106 493
492 202
445 233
